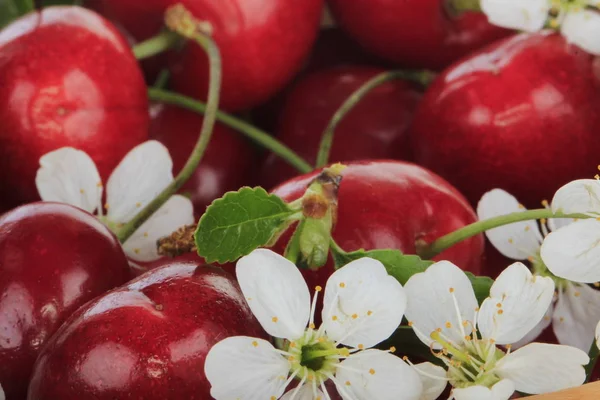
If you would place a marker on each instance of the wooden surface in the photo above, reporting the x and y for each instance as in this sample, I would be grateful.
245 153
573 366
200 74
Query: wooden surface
590 391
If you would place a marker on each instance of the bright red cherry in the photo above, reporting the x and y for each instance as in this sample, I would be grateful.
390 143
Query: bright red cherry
228 164
68 78
375 129
262 43
414 33
53 259
521 115
393 205
148 339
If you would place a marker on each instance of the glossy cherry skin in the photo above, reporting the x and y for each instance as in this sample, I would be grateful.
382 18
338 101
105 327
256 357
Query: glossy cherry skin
68 78
375 129
262 43
414 33
392 205
148 339
521 115
228 163
53 259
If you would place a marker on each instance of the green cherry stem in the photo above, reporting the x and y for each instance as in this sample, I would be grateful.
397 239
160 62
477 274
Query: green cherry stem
261 137
212 105
460 6
593 354
156 45
421 77
433 249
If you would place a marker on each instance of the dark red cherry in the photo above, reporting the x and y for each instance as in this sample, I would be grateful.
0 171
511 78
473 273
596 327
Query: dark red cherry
68 78
414 33
148 339
393 205
262 43
53 259
521 115
228 164
375 129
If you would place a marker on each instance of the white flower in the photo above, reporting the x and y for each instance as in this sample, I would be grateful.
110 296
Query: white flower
577 305
579 20
363 306
70 176
443 311
2 393
572 252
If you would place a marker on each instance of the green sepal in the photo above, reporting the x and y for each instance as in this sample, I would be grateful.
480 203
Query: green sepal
240 222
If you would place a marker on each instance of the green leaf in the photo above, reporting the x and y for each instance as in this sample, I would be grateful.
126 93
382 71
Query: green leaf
8 12
240 222
481 286
402 267
398 265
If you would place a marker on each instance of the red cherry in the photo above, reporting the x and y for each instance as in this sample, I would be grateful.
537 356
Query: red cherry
374 129
140 268
148 339
68 78
414 33
53 259
228 163
521 115
392 205
262 43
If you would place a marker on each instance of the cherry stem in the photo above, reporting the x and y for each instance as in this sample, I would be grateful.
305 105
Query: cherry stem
433 249
423 78
156 45
259 136
460 6
191 164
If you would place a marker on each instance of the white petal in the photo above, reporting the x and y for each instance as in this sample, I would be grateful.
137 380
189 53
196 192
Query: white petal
517 241
2 393
582 28
518 301
69 176
502 390
431 303
433 379
362 304
276 293
598 335
543 368
305 393
577 311
175 213
242 367
573 252
579 196
524 15
144 172
375 374
557 223
537 330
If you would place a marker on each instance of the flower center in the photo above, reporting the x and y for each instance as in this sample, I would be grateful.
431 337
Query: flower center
470 363
314 357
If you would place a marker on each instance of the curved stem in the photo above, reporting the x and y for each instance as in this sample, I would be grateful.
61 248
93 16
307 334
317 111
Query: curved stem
420 77
212 105
155 45
257 135
449 240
